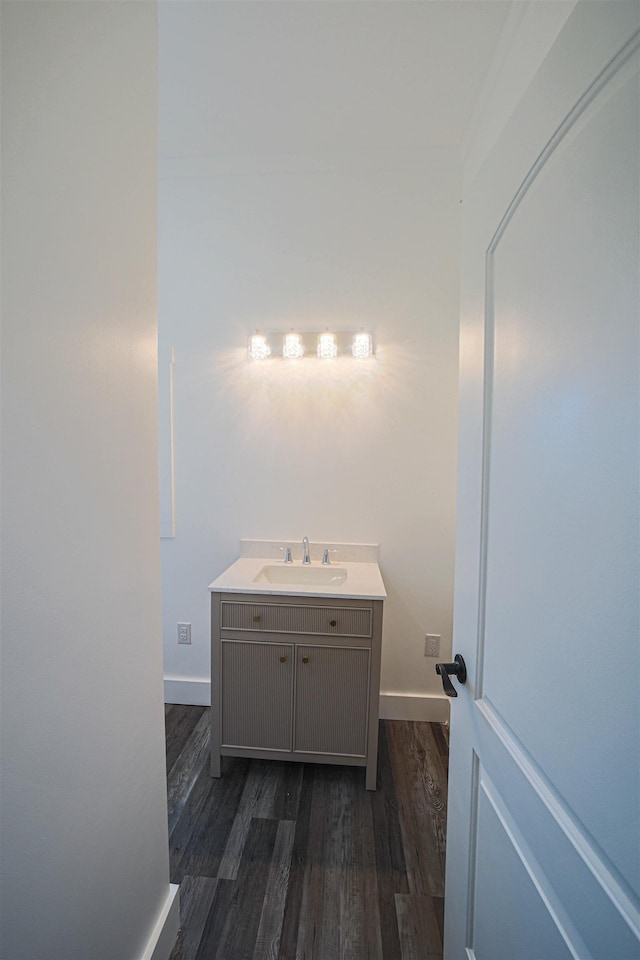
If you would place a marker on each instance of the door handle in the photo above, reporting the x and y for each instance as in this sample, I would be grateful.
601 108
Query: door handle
457 669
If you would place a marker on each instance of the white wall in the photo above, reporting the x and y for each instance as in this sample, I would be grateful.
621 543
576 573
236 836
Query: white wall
83 805
529 31
340 238
350 452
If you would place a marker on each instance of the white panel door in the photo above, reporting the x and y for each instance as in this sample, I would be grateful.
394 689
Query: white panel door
543 843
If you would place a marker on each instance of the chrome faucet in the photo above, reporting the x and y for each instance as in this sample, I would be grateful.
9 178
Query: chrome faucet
305 550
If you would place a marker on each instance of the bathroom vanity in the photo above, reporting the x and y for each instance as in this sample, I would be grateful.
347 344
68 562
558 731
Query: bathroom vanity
295 657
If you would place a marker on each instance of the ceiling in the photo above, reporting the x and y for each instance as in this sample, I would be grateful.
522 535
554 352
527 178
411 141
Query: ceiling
309 76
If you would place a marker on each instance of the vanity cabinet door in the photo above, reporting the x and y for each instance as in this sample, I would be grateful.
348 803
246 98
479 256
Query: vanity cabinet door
332 694
257 692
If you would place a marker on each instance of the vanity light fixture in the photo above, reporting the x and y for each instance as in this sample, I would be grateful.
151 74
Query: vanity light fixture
259 348
362 345
312 344
327 345
292 348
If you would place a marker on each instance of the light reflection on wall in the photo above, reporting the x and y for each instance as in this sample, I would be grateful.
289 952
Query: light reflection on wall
301 404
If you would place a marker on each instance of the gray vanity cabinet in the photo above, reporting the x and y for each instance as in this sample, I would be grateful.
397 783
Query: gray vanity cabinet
295 678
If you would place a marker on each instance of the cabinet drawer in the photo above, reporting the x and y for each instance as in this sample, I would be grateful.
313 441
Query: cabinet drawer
286 618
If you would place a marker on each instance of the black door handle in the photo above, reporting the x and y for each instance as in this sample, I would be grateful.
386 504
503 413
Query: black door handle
457 669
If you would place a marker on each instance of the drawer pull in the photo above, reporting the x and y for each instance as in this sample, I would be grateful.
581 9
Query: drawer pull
256 619
332 623
283 659
305 659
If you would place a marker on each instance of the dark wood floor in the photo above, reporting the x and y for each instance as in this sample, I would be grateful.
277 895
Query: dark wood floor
288 861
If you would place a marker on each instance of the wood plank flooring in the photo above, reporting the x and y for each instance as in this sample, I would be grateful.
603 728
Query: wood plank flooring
288 861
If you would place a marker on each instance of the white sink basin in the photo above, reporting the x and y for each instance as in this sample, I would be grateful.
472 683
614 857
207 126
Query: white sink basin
287 573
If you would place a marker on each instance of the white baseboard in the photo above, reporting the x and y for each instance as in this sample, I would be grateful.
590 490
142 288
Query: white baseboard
393 706
194 692
164 934
398 706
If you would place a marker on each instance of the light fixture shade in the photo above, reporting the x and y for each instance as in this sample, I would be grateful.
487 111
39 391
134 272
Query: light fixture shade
259 348
292 348
362 345
327 345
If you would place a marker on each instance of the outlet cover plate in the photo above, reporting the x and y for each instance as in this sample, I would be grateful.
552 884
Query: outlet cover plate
432 644
184 633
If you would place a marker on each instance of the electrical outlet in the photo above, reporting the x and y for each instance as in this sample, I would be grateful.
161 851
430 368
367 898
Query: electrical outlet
184 633
432 644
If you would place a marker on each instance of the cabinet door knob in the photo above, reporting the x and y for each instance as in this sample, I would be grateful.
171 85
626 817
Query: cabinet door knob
256 619
305 659
332 623
283 659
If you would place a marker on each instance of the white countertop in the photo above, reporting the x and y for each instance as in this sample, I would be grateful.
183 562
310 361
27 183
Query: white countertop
363 582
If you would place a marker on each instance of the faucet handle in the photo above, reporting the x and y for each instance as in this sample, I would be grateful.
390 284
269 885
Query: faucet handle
287 555
325 557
